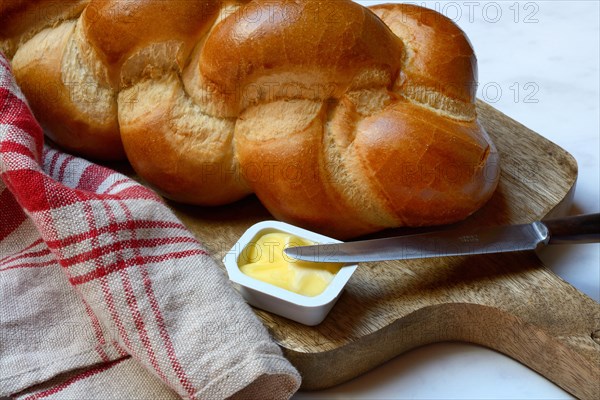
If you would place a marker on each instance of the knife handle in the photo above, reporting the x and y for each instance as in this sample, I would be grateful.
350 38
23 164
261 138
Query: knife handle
577 229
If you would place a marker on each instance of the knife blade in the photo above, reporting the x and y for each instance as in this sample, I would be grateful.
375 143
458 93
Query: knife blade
500 239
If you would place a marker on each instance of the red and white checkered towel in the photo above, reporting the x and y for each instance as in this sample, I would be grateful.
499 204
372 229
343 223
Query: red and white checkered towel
105 294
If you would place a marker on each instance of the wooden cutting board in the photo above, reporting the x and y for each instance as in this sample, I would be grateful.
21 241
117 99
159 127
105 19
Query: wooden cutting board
509 302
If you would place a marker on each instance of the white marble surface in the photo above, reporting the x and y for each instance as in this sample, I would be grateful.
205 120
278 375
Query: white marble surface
549 50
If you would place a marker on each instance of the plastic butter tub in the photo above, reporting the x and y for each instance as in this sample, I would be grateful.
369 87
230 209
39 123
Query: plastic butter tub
308 310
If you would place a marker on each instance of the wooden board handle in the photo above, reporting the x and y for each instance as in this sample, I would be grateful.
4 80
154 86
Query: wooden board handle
507 302
578 229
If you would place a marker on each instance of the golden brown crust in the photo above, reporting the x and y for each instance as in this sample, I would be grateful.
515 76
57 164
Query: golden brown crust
440 55
20 20
51 98
118 29
296 165
321 38
188 153
429 170
341 119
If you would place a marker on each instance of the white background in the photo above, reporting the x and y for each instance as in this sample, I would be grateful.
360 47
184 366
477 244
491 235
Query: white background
538 63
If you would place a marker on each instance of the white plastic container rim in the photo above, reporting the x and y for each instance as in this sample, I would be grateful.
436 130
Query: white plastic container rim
253 233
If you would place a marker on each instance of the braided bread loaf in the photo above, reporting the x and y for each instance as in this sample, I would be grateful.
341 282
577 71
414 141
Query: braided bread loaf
338 121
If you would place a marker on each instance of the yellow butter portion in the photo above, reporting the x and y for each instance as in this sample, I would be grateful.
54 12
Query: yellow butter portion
265 260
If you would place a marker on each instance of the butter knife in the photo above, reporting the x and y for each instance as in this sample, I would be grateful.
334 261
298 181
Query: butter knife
500 239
